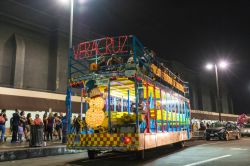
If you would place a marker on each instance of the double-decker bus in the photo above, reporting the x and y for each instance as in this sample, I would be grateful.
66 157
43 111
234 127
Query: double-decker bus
130 100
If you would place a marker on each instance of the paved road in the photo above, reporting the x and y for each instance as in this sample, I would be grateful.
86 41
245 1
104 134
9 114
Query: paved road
212 153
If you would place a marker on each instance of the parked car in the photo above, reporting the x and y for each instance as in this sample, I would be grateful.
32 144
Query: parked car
222 131
245 130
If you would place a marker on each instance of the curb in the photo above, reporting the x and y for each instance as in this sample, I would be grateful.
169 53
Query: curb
34 152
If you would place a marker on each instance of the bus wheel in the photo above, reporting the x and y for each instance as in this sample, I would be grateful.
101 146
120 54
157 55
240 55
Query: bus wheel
179 144
139 154
92 154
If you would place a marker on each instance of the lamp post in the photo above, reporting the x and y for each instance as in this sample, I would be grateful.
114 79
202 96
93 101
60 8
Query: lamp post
68 94
222 65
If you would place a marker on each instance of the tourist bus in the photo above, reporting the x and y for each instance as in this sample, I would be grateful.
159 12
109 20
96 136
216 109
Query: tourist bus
130 100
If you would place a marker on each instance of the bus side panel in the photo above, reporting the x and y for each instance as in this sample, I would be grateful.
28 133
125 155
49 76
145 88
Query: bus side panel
102 140
152 140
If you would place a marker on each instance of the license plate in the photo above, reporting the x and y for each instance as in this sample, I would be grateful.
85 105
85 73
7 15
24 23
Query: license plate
211 135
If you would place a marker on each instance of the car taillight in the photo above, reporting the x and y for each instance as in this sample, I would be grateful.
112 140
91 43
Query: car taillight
127 140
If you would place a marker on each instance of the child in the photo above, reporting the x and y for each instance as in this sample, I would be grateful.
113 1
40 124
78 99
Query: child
20 132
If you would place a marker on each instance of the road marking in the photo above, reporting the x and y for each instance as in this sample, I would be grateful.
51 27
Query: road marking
238 149
208 160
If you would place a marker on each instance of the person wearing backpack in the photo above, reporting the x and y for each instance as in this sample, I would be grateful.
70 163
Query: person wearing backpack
3 119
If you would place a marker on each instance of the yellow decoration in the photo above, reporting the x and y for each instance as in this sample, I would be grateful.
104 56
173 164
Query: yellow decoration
94 92
95 116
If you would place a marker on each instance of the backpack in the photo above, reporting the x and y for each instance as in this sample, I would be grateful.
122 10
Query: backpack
2 119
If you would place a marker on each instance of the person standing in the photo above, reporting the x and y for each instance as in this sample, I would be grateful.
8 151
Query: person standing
15 123
3 119
28 124
45 126
20 132
58 126
78 124
38 121
23 121
50 126
73 123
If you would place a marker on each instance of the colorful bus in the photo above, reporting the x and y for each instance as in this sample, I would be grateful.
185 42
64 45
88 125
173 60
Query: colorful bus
130 100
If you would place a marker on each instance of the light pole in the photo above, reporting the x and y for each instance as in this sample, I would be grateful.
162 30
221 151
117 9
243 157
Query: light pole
68 93
71 23
70 54
222 65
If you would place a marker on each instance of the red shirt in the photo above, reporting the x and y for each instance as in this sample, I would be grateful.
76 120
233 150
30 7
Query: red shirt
38 121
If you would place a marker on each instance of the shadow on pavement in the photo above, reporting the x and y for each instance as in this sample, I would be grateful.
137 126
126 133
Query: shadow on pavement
127 159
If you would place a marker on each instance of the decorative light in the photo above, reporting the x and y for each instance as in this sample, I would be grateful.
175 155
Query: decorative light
127 140
99 103
95 115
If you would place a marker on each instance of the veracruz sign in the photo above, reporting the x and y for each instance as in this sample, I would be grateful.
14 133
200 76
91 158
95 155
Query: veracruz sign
104 46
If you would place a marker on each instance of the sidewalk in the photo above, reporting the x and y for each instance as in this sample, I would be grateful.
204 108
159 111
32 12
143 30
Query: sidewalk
8 146
16 151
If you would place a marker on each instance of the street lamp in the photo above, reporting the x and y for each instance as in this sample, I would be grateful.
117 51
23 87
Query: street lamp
68 94
65 2
222 65
70 53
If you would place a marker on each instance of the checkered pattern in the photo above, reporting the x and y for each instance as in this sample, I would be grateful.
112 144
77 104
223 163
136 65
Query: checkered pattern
103 139
70 140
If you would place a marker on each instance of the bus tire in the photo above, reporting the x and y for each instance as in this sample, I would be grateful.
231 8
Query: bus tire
92 154
180 144
139 154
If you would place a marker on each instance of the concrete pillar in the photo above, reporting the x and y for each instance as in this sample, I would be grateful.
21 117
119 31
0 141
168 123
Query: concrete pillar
19 62
52 62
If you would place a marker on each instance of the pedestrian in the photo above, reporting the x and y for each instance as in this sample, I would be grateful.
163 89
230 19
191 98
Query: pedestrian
20 132
73 123
23 121
45 126
50 126
29 122
58 126
64 129
3 119
38 121
15 123
78 124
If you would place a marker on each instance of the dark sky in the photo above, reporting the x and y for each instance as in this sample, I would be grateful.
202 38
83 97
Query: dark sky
191 32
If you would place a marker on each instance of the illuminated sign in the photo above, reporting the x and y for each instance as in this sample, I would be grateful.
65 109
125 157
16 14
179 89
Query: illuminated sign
157 71
104 46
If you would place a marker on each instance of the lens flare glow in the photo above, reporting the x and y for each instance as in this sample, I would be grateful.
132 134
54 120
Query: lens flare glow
209 66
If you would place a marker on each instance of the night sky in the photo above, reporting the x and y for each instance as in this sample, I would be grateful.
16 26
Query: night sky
191 32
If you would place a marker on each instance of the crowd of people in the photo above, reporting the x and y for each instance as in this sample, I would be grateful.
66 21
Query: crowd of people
20 125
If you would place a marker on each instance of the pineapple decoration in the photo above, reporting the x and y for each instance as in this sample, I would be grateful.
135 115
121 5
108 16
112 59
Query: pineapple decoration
95 115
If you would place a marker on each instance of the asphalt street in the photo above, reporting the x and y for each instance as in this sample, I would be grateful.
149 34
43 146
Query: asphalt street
204 153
